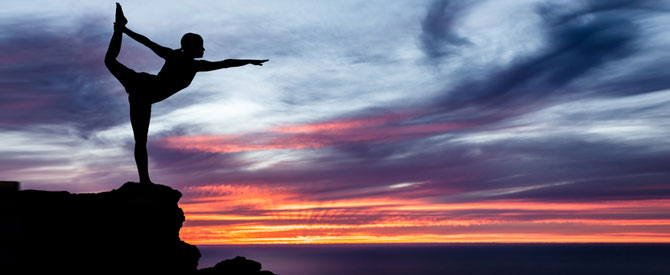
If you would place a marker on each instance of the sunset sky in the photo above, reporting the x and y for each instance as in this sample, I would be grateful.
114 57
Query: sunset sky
374 120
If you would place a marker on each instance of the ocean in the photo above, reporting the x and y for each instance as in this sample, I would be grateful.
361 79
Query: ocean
369 259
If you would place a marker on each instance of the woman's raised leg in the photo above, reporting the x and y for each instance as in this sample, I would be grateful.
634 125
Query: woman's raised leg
117 69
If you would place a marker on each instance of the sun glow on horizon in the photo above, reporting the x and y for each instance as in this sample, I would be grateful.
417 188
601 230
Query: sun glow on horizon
246 214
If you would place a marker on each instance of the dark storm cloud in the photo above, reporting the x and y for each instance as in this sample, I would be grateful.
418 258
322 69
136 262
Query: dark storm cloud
439 37
55 75
575 169
579 41
573 49
645 79
640 187
594 6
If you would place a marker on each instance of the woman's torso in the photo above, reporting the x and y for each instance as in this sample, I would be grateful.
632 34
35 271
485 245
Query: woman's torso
176 74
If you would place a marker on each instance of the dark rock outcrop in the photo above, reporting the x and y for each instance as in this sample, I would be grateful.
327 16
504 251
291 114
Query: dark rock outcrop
130 230
133 229
237 266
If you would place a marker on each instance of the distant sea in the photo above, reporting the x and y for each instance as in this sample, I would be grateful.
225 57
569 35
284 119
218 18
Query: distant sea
420 259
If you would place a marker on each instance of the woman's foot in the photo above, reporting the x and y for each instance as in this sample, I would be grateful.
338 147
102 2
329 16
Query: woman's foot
120 18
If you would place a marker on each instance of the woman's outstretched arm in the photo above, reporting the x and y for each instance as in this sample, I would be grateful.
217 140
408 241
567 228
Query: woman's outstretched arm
158 49
204 65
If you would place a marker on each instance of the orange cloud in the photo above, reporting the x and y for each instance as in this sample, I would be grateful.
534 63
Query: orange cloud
258 214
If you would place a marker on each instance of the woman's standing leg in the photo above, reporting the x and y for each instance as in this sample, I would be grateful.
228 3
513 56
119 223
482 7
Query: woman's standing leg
140 112
140 116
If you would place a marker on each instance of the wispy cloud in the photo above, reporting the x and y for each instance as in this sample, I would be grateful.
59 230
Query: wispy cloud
381 128
53 76
439 37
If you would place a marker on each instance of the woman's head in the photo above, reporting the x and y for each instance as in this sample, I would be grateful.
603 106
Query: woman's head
191 45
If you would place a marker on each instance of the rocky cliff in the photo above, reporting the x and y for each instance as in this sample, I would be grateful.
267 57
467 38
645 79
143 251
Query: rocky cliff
130 230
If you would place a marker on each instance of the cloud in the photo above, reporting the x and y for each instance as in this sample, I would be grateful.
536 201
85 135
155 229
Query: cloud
439 37
277 214
379 128
591 50
573 49
53 75
364 156
347 131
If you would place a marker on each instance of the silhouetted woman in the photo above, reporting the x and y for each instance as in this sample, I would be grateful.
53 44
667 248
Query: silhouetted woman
145 89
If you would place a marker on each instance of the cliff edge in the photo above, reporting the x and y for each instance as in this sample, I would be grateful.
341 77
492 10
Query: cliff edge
130 230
